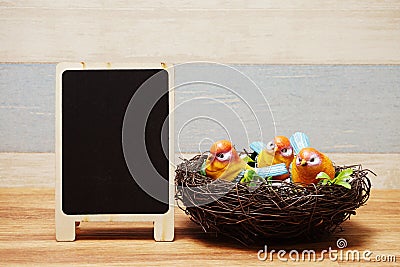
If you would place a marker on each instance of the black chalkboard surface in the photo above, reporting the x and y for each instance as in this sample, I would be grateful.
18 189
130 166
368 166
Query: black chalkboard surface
95 175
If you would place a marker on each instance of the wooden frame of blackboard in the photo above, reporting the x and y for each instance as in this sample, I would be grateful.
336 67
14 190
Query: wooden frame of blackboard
66 224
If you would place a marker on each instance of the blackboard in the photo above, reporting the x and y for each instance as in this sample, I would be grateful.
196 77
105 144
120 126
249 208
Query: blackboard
95 174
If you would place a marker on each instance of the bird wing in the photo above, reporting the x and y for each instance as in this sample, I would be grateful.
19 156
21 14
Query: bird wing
257 146
273 170
299 141
232 170
265 158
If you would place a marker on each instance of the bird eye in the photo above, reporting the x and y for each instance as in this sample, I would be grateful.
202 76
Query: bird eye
314 160
270 145
224 156
286 152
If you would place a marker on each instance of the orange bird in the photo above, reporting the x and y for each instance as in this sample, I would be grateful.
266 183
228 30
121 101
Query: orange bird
308 163
277 151
224 162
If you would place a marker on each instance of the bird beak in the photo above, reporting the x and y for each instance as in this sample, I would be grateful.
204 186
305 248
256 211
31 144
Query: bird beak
276 149
303 162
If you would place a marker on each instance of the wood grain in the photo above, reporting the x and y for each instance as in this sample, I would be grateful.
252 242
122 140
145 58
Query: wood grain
284 32
27 237
27 170
342 108
206 4
27 105
351 109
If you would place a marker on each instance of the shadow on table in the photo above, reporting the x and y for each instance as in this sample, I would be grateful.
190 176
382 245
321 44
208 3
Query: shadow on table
355 234
114 231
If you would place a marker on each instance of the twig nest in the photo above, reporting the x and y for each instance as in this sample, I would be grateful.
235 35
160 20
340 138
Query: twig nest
278 210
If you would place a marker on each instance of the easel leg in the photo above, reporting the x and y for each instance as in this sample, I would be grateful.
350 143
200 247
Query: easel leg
164 227
65 229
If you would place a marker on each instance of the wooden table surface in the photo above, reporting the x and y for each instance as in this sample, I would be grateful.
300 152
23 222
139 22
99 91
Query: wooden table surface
27 236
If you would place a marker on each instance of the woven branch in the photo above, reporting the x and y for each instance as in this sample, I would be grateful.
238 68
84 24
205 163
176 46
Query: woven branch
280 210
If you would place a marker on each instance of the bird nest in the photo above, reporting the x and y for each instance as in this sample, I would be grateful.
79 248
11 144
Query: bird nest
265 210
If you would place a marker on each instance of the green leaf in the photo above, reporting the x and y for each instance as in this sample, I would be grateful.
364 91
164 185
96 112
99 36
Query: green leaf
324 182
203 169
247 159
323 175
244 180
248 176
344 174
344 184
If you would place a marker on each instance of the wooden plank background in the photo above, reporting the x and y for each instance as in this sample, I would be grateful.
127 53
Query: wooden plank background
262 32
352 109
342 108
268 37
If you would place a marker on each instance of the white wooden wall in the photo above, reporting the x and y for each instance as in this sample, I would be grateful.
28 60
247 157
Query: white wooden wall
262 32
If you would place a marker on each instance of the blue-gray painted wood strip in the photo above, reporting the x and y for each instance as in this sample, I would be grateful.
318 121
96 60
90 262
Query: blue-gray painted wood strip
342 108
27 107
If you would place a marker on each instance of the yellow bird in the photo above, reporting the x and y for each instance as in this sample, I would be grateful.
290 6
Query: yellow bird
224 162
277 151
308 164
